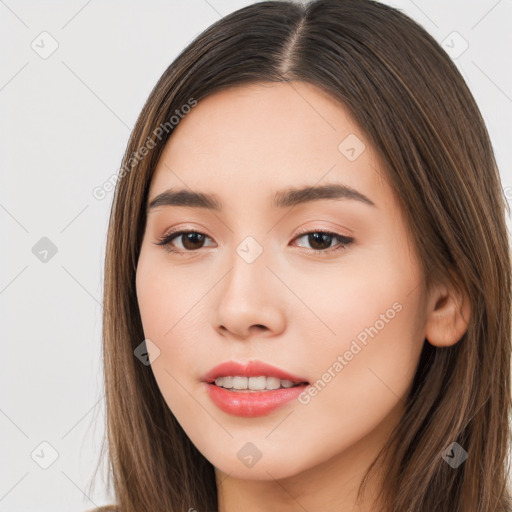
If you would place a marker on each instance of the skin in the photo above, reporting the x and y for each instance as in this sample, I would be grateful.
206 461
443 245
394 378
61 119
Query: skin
290 308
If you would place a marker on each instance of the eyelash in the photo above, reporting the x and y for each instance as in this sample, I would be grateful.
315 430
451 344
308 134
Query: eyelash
344 242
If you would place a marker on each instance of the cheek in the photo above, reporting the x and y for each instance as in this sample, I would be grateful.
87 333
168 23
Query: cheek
165 296
172 308
364 297
365 362
152 299
165 310
360 384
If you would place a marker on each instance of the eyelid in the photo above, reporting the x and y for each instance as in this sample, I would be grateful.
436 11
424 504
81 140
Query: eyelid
317 229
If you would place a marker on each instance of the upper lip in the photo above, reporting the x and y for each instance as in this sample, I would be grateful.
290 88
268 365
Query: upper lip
249 369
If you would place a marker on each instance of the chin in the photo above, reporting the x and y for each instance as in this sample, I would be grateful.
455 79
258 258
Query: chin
272 466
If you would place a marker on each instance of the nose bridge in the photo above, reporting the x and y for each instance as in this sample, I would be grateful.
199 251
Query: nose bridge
251 243
251 249
248 297
249 266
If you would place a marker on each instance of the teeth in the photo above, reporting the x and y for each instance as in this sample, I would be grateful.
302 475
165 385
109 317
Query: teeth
253 383
240 382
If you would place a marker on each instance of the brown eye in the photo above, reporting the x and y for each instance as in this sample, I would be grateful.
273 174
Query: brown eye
190 241
320 241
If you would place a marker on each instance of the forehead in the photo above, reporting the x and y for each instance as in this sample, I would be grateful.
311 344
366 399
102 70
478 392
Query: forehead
262 137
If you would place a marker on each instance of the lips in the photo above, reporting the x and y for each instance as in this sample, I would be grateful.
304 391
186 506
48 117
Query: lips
251 369
251 403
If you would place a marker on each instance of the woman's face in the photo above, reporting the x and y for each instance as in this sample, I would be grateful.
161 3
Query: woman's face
256 280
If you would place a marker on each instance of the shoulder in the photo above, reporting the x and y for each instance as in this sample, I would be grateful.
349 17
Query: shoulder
105 508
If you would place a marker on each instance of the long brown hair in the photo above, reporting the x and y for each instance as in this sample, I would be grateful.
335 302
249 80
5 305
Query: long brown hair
416 110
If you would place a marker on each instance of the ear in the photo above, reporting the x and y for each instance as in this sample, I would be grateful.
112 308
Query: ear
448 315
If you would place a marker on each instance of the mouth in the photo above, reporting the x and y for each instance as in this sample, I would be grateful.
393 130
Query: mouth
255 375
253 389
250 403
258 384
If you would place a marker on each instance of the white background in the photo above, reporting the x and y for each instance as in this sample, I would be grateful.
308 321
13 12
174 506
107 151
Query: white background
64 126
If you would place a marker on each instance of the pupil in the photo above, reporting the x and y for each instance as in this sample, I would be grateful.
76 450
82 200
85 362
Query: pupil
192 238
322 237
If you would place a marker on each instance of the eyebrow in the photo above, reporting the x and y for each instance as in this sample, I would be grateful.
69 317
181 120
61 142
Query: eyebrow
282 199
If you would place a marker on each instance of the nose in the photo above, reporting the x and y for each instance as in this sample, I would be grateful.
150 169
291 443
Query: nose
251 301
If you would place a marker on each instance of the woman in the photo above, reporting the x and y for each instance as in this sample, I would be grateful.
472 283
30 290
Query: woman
307 281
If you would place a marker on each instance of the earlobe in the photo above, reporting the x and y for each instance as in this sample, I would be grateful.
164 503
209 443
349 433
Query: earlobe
448 316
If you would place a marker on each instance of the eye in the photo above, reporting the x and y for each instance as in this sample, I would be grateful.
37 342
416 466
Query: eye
191 241
321 241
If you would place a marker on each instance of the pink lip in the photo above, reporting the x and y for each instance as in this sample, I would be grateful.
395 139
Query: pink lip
251 369
251 403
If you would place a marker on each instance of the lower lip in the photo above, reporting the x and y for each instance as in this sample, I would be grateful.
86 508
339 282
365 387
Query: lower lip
252 404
